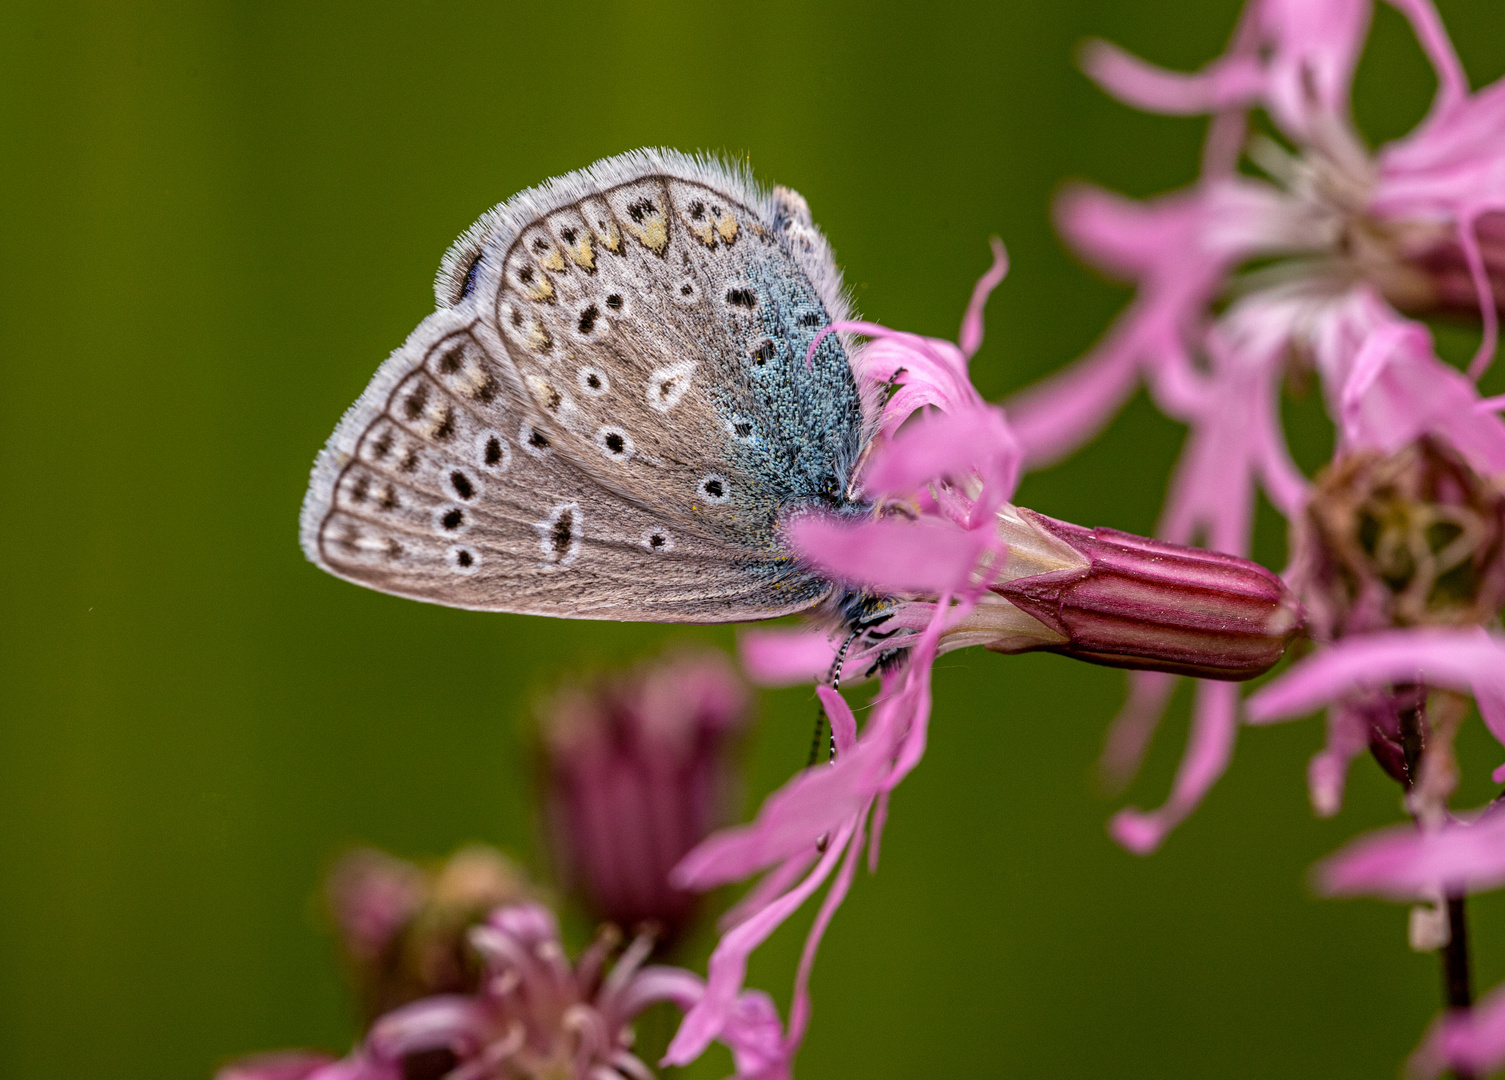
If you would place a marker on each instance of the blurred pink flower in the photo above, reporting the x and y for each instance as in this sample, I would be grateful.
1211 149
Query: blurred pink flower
1344 239
1456 859
1470 1042
535 1016
403 927
638 769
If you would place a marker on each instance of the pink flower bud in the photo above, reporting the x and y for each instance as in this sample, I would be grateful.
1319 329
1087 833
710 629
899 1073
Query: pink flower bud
638 770
1141 603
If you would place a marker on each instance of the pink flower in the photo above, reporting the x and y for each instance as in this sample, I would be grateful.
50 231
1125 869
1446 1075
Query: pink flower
944 562
638 770
1348 241
535 1016
1448 862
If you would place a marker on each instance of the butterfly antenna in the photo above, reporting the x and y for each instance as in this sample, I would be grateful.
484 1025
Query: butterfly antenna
834 678
820 725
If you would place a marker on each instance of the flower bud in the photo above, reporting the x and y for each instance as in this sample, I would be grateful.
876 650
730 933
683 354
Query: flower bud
404 927
637 771
1139 603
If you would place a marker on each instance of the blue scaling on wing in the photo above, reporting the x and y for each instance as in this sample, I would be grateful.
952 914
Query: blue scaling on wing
797 427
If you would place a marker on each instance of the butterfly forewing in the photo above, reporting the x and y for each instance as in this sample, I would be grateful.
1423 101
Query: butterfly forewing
609 422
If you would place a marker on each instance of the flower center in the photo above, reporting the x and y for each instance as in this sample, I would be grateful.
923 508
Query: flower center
1414 538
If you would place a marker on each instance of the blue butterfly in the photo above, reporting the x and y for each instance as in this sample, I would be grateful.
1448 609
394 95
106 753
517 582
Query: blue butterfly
611 411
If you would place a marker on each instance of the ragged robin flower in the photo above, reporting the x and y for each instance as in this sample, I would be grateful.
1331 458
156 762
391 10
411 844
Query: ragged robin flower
1246 282
403 927
533 1014
946 561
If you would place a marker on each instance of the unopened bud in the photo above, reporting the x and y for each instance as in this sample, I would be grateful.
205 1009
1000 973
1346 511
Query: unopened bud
638 769
1139 603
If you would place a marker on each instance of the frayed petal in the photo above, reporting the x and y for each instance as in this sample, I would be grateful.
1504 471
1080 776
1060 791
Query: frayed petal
444 1021
1408 865
1327 772
891 555
970 338
1470 661
785 657
756 1038
1213 730
943 445
1231 81
1130 733
728 964
800 1007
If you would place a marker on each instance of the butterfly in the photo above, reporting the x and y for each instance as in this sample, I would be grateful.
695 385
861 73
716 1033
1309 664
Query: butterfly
611 411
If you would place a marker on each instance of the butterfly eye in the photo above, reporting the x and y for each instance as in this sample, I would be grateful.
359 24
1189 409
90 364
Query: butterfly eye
588 319
614 301
451 519
493 452
559 534
462 560
533 441
763 352
468 286
464 487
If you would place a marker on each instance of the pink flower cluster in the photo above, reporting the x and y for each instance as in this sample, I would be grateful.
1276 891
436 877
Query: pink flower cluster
535 1016
1346 241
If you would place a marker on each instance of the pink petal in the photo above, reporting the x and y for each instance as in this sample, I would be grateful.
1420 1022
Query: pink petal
1129 734
799 1008
891 555
1213 729
1471 661
785 657
1229 81
728 964
1471 1042
1406 864
970 338
756 1038
937 446
448 1021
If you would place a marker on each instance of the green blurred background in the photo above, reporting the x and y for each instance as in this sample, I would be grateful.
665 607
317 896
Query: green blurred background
218 218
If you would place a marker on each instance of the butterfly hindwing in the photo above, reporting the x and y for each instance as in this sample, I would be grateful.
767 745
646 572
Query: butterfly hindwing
609 411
